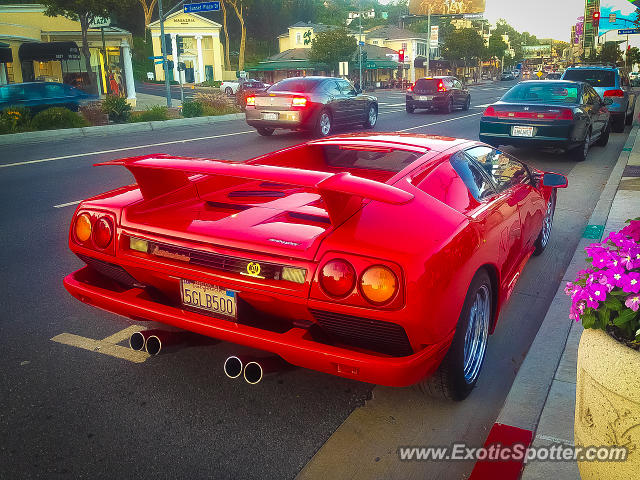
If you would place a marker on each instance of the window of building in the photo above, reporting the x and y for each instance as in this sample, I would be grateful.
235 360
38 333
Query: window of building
404 47
299 38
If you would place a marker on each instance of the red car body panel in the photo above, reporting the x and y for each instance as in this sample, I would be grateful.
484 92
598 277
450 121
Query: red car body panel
289 208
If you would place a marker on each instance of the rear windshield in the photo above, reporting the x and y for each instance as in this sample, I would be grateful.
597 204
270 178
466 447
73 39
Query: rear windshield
542 92
340 156
595 77
301 85
428 85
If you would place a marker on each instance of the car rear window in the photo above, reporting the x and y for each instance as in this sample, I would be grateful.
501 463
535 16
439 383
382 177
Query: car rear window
301 85
542 92
595 77
388 160
427 85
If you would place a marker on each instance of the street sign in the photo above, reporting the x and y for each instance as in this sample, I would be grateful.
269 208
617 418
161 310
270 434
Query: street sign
361 44
628 31
343 68
612 18
539 73
155 58
100 22
201 7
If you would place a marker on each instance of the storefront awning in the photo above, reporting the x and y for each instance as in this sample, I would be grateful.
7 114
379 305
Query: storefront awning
379 64
286 65
48 51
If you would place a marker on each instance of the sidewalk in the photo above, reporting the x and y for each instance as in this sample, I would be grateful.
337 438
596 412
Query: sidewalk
540 406
145 101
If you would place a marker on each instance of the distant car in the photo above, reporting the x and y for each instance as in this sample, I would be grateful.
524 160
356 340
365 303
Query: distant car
441 93
516 73
318 104
609 82
230 87
507 76
554 113
553 76
248 88
38 96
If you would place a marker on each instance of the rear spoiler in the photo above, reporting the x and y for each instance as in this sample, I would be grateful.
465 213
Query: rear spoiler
342 192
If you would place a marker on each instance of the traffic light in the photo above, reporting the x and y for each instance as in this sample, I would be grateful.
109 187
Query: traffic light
596 17
364 57
401 56
180 44
167 43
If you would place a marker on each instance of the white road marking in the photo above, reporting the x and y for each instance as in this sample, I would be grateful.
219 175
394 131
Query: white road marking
482 106
392 104
106 346
68 204
441 121
124 149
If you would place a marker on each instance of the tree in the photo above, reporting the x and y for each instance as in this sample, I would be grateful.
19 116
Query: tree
332 47
633 56
610 53
83 11
227 61
148 10
238 6
497 46
464 45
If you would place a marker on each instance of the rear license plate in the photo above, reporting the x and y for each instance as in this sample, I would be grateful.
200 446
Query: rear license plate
517 131
269 116
425 98
210 298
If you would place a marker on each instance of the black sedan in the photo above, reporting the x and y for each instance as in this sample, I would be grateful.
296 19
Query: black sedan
318 104
557 114
441 93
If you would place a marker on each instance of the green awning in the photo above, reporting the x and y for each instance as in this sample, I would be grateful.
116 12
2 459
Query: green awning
285 65
378 64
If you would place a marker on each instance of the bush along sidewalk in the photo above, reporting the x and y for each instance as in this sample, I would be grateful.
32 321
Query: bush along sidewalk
18 119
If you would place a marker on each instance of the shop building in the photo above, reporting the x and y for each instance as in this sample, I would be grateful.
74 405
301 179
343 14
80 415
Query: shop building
413 44
48 49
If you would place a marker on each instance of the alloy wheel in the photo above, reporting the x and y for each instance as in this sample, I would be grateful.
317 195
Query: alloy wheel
325 123
547 223
373 116
475 339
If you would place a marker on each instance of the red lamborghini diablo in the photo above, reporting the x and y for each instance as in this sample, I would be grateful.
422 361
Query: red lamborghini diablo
380 257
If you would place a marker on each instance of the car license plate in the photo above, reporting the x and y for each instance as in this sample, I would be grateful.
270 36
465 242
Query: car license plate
210 298
425 98
522 131
269 116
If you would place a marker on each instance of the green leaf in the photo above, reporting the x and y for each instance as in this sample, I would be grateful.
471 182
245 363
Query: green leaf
603 315
588 320
624 316
613 303
619 293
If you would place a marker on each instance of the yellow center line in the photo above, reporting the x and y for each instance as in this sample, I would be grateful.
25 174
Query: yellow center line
106 346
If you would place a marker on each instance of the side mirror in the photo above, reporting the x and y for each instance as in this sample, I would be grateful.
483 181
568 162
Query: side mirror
608 101
554 180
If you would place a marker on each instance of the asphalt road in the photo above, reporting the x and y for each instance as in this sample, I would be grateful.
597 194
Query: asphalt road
79 413
160 90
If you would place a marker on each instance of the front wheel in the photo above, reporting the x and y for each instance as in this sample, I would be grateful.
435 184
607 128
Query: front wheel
579 154
323 124
604 136
629 119
265 132
547 223
459 371
372 117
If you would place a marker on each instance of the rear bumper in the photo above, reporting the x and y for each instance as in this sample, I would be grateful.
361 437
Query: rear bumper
295 345
290 119
560 135
438 101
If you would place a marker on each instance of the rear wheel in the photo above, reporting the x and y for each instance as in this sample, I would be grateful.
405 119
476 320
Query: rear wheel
372 117
323 124
618 124
459 371
467 104
448 108
547 223
265 132
410 108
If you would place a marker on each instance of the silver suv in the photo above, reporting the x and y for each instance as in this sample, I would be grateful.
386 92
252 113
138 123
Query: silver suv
610 82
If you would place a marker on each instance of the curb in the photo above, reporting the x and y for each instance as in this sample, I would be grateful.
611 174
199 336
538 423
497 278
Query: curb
102 130
521 412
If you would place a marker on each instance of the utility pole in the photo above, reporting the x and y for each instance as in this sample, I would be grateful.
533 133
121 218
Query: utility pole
360 44
428 37
165 63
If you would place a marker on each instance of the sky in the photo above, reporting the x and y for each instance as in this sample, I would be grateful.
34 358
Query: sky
551 18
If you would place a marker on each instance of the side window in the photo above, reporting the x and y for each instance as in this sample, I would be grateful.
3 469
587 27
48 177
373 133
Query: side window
331 87
53 90
457 84
475 180
595 98
505 171
346 87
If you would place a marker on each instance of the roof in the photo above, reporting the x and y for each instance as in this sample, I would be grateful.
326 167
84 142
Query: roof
202 17
390 32
317 27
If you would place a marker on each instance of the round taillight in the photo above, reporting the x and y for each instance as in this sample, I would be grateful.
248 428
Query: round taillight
378 284
337 278
102 233
83 227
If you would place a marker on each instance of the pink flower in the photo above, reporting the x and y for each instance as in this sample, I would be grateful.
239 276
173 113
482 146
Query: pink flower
597 292
632 230
633 302
616 276
631 282
577 309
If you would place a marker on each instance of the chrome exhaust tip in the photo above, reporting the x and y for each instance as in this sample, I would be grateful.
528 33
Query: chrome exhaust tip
153 345
233 366
253 373
137 341
255 370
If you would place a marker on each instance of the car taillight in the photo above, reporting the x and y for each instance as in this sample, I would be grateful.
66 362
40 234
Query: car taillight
490 112
299 102
566 114
337 278
378 284
251 101
614 93
83 227
102 232
410 87
441 87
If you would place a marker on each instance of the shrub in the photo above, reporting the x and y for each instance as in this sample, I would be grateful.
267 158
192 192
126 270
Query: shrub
155 113
117 108
217 100
93 113
57 117
212 83
192 109
15 119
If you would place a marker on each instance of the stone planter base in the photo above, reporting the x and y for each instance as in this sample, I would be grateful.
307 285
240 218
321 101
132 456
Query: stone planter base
608 404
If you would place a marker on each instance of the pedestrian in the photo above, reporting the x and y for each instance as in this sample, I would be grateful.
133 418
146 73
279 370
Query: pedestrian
475 76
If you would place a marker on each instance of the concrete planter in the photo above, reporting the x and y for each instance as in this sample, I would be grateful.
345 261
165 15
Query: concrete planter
607 404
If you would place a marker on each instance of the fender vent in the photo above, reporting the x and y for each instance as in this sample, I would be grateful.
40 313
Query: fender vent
383 337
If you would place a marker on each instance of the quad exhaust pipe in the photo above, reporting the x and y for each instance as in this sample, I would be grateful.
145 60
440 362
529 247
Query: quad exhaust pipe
156 341
253 369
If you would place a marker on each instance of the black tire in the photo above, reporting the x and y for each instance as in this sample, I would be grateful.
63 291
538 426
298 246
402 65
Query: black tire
449 107
579 153
467 104
618 124
629 119
604 136
449 381
410 108
265 132
320 129
371 121
543 240
228 91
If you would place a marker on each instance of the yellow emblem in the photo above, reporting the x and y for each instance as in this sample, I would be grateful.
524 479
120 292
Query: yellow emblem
253 269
